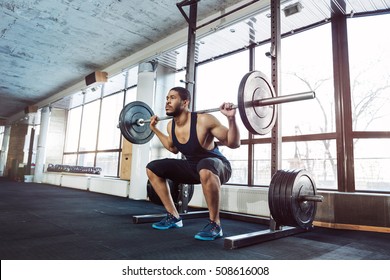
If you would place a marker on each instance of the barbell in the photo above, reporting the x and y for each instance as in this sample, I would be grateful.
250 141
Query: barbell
256 104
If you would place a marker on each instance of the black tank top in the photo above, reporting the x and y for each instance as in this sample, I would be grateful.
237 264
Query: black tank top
192 150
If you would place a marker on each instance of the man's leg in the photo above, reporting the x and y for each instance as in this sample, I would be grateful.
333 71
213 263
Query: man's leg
213 172
211 186
161 187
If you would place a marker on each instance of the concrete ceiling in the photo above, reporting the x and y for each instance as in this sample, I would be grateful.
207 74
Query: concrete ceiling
47 46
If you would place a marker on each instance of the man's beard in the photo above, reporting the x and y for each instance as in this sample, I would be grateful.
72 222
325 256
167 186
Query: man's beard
175 112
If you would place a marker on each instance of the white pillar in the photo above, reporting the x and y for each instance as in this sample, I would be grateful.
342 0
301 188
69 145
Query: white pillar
141 153
4 149
41 149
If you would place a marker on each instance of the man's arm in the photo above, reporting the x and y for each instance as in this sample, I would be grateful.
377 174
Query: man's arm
166 140
227 136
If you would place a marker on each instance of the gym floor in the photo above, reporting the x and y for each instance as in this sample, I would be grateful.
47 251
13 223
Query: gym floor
45 222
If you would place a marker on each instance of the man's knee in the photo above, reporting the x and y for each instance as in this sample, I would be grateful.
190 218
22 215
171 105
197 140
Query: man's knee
150 173
151 168
206 175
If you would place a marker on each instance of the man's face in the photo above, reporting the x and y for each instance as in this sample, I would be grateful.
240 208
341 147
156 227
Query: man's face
174 104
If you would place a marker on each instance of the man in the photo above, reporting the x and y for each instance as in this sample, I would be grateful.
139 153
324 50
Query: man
193 135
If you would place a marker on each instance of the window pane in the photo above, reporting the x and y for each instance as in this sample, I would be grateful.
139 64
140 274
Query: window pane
262 164
307 66
70 160
372 162
114 84
318 157
131 95
86 160
89 126
132 77
108 162
109 134
369 55
218 82
73 129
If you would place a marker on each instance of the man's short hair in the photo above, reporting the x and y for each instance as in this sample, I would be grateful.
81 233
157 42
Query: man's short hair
183 93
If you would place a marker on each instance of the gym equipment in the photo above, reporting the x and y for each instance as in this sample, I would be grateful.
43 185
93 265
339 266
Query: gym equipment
256 104
181 194
73 169
292 194
292 199
128 119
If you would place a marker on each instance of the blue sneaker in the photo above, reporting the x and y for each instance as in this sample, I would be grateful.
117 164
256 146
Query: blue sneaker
211 231
169 221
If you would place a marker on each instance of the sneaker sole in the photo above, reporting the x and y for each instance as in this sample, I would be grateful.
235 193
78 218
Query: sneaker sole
203 238
177 225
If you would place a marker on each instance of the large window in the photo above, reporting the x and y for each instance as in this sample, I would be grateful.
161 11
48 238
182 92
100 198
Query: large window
89 126
218 82
73 130
109 134
369 55
92 137
307 66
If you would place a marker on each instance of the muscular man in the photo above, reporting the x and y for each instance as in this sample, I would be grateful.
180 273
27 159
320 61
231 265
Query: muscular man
193 135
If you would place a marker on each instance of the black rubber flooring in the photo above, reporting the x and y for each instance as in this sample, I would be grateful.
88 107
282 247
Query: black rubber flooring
45 222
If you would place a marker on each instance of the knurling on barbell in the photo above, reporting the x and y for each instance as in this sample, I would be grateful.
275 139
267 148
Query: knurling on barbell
256 104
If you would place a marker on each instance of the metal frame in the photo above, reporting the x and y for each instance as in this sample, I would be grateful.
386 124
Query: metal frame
275 231
345 157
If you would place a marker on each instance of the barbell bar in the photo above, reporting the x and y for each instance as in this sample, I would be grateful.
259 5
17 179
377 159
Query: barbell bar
256 103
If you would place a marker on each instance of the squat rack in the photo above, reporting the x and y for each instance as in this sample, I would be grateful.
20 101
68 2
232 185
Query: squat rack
275 230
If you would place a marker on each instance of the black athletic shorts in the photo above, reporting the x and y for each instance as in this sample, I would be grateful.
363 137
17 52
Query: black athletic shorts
182 171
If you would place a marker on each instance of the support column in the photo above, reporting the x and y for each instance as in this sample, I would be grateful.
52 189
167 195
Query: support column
191 45
345 152
191 48
4 149
41 149
276 134
141 153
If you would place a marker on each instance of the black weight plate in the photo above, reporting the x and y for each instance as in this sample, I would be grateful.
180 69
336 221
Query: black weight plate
277 200
257 119
271 193
284 198
303 211
289 216
174 189
133 132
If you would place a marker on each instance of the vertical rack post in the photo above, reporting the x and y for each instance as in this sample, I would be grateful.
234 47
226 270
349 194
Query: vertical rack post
276 134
